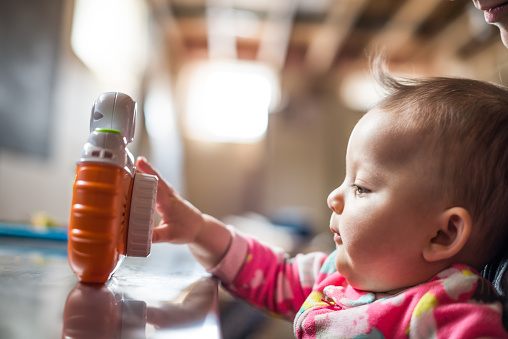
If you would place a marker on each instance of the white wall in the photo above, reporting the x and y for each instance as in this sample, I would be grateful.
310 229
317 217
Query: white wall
29 185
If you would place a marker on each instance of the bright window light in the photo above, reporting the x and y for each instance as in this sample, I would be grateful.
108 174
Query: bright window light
110 37
229 102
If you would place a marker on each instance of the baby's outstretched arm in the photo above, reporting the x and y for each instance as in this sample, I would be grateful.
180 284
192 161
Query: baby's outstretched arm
182 223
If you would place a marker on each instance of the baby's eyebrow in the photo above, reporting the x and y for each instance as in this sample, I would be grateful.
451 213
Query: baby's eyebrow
371 174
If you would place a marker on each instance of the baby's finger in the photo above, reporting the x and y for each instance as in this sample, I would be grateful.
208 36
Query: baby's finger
145 167
159 233
165 193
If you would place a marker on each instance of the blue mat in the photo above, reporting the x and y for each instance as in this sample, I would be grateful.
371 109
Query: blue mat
29 231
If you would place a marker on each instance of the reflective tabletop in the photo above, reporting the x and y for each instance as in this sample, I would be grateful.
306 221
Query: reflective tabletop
167 295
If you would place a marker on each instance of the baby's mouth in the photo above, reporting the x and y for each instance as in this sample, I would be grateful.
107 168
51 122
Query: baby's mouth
336 236
335 229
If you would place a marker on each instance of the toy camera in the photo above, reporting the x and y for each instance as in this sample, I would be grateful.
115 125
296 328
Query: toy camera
112 205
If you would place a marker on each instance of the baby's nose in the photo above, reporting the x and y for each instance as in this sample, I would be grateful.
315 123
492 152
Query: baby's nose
336 201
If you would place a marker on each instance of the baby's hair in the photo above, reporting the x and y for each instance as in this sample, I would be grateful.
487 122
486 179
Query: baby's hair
464 124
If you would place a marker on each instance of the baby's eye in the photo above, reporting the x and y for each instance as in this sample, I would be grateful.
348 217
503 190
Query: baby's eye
359 190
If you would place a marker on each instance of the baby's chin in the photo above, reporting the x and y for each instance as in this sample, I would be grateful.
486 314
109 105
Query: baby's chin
377 288
371 284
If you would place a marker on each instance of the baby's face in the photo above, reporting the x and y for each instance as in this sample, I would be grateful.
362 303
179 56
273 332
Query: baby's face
382 210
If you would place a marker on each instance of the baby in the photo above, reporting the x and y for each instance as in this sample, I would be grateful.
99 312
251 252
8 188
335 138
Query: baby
422 208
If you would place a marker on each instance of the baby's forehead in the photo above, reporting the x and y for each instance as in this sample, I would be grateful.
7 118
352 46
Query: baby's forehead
381 127
387 137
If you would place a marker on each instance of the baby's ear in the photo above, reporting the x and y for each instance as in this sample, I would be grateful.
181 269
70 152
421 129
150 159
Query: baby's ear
454 229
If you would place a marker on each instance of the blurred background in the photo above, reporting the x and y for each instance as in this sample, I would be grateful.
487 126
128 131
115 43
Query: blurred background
245 106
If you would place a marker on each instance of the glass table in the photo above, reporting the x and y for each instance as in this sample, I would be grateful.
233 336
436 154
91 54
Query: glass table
167 295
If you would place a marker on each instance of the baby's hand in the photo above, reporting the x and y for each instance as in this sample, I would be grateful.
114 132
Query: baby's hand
181 223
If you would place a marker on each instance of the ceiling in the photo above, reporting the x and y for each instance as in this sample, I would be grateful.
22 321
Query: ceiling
321 35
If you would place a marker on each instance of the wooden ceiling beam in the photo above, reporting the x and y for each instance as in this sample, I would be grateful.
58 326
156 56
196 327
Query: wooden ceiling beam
333 32
318 38
220 29
163 15
402 26
276 32
450 40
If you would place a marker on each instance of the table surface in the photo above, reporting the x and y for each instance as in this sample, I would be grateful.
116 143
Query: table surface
167 295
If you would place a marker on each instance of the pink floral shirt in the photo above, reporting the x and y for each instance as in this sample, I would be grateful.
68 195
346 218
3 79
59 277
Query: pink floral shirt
457 303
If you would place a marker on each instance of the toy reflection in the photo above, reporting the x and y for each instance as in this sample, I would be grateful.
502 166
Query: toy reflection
101 311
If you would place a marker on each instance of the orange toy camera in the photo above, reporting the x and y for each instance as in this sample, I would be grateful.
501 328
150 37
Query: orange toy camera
112 205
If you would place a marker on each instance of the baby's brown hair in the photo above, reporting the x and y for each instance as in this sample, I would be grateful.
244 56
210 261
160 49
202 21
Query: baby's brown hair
464 125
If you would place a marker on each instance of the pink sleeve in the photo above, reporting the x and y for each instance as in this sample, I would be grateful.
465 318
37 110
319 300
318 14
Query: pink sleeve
227 269
266 277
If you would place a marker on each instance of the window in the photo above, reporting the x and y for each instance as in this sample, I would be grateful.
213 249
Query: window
230 101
